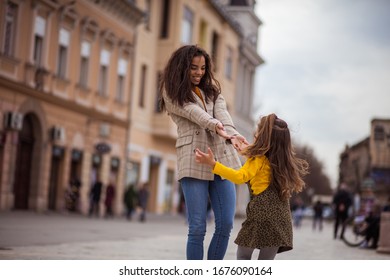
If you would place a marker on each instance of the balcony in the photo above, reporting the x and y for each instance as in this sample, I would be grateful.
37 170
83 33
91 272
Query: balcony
37 77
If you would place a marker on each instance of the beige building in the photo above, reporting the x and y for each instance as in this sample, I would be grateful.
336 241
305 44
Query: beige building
366 165
83 82
65 83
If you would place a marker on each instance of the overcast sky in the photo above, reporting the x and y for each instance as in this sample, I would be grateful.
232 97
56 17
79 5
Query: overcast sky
326 71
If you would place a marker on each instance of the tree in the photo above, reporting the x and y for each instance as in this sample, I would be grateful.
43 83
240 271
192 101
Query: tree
317 182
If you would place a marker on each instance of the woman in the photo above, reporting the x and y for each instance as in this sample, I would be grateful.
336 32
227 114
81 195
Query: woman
192 97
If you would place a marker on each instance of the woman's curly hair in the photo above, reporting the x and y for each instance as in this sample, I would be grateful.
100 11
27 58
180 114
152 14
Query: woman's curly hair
175 80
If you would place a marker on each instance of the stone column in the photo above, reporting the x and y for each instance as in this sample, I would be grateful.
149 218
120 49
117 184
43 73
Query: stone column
384 235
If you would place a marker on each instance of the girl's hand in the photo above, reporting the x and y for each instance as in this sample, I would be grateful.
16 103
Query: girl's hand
204 158
239 142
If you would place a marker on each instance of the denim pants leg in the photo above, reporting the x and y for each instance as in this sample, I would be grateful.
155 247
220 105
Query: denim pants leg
223 198
223 202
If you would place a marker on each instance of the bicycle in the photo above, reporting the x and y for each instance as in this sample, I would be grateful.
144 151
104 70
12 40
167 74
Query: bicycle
354 231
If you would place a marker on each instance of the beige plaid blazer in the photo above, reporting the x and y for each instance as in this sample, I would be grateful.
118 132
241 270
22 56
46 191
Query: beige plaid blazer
196 129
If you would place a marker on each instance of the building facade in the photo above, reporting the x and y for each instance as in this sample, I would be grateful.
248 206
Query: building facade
65 80
366 165
84 81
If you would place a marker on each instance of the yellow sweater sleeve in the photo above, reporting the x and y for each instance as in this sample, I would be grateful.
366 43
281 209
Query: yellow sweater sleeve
240 176
256 170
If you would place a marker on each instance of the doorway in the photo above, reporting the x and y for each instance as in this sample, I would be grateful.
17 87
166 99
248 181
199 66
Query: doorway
25 147
55 175
153 182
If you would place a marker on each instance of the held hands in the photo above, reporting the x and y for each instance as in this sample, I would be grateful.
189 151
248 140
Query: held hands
239 142
220 130
205 158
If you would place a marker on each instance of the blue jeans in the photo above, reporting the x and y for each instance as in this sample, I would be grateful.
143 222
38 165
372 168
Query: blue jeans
222 196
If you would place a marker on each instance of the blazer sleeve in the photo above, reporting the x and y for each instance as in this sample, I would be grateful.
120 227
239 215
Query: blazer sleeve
221 113
193 112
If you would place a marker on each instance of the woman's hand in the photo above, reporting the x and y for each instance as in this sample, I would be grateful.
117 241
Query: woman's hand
204 158
220 130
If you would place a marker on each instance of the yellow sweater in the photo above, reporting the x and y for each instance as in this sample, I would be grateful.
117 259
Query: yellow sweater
256 170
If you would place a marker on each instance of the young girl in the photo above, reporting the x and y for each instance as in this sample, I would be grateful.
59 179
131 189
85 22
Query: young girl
273 173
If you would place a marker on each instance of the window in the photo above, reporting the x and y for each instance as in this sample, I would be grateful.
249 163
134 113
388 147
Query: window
229 63
10 28
186 31
132 173
157 108
165 19
84 63
141 101
103 72
38 45
148 11
102 80
120 87
168 191
203 33
62 53
214 50
379 133
39 31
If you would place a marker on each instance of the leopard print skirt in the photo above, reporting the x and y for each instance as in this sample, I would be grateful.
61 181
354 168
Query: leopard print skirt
268 222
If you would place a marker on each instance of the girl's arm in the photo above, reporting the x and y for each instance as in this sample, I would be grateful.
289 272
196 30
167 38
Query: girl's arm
240 176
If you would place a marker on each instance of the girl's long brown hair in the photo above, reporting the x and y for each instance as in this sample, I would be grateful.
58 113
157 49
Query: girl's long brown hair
273 140
176 81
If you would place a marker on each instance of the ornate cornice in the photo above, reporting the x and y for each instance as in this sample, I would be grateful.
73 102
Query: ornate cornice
124 10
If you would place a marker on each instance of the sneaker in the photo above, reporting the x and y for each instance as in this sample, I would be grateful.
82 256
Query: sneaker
364 245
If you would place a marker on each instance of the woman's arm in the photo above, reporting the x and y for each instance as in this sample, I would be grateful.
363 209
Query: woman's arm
221 113
196 114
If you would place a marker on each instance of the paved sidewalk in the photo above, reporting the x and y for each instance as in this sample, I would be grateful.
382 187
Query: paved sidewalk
29 235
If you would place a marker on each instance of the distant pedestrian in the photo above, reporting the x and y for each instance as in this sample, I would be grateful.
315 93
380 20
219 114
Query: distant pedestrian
73 195
108 202
318 215
94 196
273 173
297 212
386 208
143 197
342 201
130 200
372 222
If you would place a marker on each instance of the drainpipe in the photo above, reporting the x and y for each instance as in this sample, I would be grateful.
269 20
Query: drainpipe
130 103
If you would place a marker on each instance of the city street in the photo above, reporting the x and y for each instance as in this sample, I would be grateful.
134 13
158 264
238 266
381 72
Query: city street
55 236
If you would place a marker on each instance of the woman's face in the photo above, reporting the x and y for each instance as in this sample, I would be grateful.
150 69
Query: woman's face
197 69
